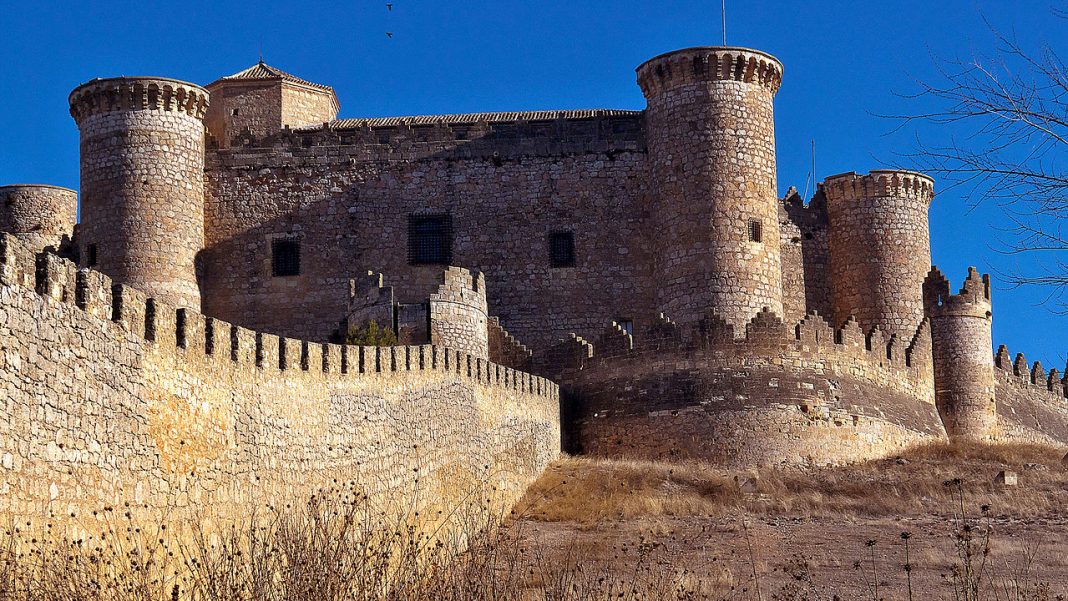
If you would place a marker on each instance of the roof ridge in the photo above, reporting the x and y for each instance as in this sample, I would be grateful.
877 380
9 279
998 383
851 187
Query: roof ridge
262 70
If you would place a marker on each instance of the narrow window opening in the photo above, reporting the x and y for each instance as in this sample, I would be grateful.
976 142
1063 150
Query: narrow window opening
626 325
429 239
234 112
562 249
756 232
285 257
90 261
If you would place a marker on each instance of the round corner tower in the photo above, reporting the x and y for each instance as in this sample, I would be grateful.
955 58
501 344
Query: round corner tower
880 248
710 131
963 355
41 216
142 182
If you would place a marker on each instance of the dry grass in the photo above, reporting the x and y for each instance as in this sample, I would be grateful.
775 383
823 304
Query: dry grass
590 490
338 547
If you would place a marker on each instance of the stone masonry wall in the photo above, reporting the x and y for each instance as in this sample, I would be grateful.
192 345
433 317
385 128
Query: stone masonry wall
783 394
302 106
1032 405
109 398
40 216
806 282
348 192
239 106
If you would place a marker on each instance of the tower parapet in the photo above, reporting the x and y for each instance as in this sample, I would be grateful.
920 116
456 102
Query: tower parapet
963 364
880 248
142 180
710 132
40 216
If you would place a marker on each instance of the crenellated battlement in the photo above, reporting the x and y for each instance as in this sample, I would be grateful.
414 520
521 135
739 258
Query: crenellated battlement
1016 371
495 135
766 335
709 63
973 299
117 94
851 186
206 339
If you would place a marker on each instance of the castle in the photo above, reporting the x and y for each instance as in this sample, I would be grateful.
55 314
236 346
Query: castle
639 260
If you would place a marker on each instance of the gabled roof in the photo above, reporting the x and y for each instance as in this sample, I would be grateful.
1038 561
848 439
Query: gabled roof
262 70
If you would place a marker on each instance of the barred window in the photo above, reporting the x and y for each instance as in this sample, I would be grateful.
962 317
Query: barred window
285 257
562 249
429 239
756 232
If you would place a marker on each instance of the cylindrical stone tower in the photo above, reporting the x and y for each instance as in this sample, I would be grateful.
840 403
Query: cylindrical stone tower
40 216
142 173
880 248
963 355
710 132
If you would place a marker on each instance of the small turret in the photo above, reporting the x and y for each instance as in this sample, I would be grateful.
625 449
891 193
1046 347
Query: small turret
963 364
710 129
142 179
880 248
40 216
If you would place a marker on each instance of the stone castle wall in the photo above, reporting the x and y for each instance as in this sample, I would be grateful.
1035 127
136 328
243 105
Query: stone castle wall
40 216
802 393
303 106
348 192
239 106
1032 405
109 397
806 282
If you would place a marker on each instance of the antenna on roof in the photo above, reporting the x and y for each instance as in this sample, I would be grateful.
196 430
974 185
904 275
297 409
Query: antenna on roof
261 52
811 179
723 19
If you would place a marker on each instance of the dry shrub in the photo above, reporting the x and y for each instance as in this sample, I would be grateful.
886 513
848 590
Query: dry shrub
337 546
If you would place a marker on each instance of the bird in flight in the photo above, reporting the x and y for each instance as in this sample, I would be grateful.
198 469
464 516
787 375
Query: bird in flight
389 34
389 6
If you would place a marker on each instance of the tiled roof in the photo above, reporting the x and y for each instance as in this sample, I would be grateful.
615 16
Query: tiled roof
471 118
262 70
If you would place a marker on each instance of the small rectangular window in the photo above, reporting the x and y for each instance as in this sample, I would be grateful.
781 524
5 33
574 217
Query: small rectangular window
756 232
429 239
285 257
90 261
626 325
234 113
562 249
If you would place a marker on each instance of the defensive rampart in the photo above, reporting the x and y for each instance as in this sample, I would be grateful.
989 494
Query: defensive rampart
109 397
803 393
1032 404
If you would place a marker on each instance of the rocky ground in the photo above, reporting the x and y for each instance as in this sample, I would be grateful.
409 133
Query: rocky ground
817 533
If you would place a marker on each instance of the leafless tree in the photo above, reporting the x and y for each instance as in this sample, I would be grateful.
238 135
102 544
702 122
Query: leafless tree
1003 119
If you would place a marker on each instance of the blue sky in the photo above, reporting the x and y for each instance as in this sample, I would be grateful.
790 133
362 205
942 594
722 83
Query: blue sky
846 63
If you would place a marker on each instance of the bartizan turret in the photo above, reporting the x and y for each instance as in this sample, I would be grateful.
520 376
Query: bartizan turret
142 182
880 248
711 137
963 355
40 216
